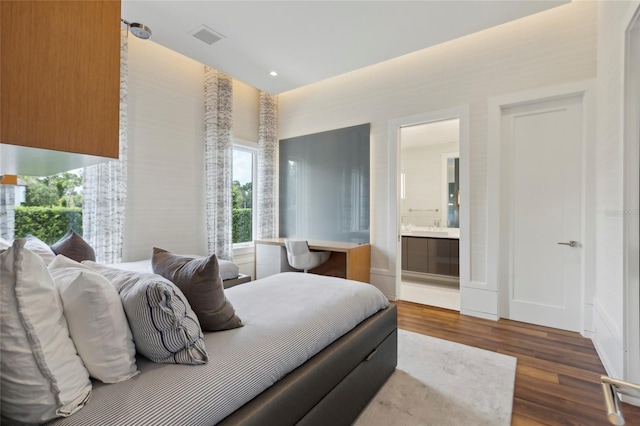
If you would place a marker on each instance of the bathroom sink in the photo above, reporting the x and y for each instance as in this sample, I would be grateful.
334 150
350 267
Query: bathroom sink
426 228
430 233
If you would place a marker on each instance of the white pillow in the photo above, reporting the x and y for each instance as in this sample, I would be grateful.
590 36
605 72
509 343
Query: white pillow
96 319
40 248
41 375
165 328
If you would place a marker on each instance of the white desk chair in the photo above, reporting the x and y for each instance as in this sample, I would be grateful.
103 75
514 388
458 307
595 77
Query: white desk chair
300 257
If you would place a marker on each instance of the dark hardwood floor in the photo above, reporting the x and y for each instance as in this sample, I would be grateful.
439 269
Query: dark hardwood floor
558 372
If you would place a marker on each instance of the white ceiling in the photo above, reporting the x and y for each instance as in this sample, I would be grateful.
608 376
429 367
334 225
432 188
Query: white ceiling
432 133
309 41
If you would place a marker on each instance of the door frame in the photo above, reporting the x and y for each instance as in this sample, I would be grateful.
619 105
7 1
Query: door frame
631 233
495 232
462 113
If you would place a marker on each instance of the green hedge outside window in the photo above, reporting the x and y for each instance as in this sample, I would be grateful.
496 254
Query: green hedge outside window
47 223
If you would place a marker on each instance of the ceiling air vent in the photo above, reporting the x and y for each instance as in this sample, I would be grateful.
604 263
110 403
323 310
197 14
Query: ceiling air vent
206 34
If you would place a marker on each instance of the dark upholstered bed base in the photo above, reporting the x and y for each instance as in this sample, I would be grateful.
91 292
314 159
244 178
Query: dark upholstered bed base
241 279
347 400
334 386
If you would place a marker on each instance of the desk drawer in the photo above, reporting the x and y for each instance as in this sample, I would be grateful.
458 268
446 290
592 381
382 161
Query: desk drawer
264 251
269 260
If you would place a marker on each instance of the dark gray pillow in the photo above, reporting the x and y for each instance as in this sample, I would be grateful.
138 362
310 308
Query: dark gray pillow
74 247
199 279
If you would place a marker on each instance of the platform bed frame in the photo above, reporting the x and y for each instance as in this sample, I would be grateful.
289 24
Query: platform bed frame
334 386
331 388
240 279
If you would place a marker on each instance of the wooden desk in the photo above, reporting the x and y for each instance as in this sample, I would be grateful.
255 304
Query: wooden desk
347 260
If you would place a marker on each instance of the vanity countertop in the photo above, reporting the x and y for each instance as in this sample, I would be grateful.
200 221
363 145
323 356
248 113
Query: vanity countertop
428 232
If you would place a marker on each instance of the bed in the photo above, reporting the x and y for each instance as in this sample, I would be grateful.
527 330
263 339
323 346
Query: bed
313 351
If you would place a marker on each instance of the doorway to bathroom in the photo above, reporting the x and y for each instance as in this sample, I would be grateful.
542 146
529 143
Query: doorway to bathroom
429 210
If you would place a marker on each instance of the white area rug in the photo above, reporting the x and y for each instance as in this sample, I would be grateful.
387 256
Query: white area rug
438 382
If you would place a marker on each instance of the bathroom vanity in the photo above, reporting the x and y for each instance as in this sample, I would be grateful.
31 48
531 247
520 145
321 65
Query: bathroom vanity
431 251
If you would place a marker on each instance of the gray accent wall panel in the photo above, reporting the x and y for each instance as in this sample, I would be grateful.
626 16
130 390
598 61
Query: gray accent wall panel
324 185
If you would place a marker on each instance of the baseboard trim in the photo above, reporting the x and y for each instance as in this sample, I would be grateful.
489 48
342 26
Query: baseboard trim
607 341
385 281
479 314
383 272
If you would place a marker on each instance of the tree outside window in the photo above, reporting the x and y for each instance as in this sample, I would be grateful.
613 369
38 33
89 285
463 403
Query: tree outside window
52 205
242 193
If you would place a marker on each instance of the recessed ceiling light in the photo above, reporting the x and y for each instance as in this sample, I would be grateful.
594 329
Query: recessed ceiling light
273 74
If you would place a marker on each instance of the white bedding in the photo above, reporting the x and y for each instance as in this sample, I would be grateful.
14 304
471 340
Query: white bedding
288 318
228 269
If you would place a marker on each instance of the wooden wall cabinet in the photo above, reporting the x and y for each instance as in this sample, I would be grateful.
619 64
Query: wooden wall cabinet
454 266
439 256
417 254
405 259
60 84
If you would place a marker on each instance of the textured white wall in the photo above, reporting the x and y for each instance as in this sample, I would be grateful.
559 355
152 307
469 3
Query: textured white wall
165 205
613 18
550 48
246 110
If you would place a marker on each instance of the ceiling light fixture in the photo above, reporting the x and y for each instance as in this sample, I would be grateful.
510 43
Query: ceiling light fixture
138 30
273 74
206 34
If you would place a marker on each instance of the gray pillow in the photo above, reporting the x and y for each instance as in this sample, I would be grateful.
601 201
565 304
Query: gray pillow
74 247
164 327
199 279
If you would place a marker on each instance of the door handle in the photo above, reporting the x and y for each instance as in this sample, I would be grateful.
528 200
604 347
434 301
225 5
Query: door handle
570 244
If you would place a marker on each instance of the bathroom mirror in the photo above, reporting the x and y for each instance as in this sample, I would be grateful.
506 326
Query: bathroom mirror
430 175
451 189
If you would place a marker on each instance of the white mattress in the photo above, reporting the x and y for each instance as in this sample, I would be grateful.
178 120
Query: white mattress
228 270
288 318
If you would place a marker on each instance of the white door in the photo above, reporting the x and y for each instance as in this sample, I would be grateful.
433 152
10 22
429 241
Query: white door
541 181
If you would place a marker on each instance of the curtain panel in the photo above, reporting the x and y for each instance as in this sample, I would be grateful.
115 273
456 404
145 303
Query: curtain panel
218 106
7 211
105 187
267 166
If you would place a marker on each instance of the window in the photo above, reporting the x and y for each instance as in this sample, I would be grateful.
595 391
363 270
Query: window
243 196
46 207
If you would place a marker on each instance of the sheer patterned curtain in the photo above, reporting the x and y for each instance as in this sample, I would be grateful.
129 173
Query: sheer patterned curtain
7 212
218 118
105 187
267 165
